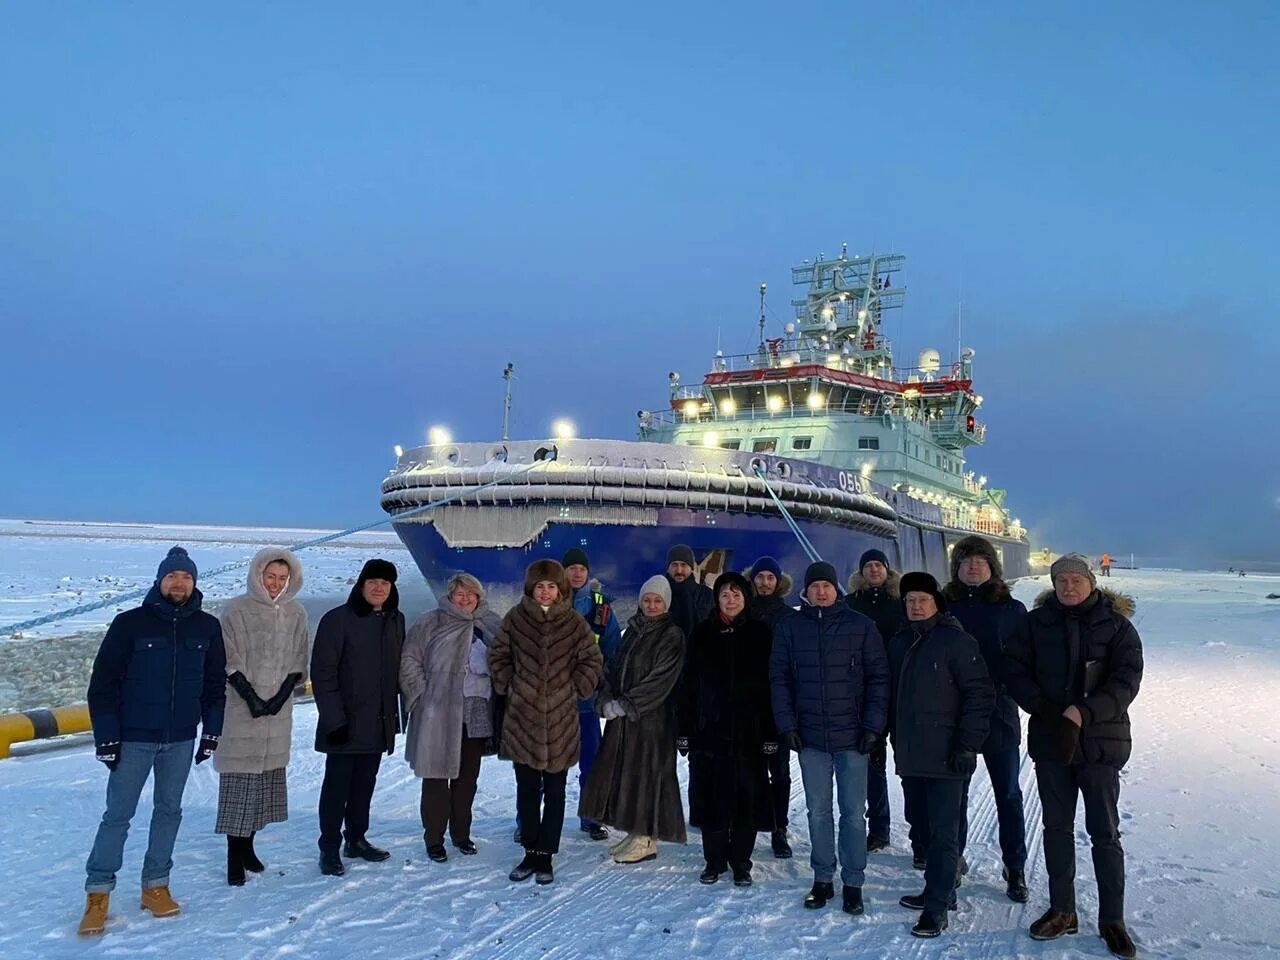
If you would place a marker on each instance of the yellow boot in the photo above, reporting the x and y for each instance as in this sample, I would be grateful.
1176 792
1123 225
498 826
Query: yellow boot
94 921
159 902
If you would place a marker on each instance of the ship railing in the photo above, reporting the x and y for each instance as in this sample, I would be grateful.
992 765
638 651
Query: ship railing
676 418
801 356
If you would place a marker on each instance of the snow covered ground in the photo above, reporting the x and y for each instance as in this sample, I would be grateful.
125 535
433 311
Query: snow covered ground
1200 800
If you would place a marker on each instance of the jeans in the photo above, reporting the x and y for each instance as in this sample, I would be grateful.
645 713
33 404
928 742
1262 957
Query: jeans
1100 787
850 770
540 804
447 803
878 793
345 795
1002 767
936 805
589 727
171 763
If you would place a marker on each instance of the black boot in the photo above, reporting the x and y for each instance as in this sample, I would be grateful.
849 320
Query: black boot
525 868
929 925
251 861
876 844
595 831
543 872
331 863
235 862
364 850
915 901
742 876
710 875
1016 886
781 849
917 861
819 895
436 852
853 901
1117 940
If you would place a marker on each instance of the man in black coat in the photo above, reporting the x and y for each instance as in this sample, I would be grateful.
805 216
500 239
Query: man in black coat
940 709
873 592
769 606
691 602
355 671
1075 669
979 598
160 671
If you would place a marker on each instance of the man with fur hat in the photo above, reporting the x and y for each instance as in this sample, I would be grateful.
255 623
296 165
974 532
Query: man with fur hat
941 705
160 672
596 608
355 678
691 602
1076 668
830 683
979 598
873 592
769 606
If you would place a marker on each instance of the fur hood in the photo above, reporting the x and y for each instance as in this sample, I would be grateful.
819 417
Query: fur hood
974 545
260 562
781 591
1121 603
998 592
858 582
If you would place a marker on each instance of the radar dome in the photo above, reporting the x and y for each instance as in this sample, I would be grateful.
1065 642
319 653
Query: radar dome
930 361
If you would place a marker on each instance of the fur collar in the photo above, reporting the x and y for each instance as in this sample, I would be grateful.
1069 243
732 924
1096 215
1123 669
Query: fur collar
858 582
994 591
1121 603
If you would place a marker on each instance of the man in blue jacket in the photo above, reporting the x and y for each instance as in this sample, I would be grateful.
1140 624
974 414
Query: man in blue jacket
830 684
596 608
979 598
160 672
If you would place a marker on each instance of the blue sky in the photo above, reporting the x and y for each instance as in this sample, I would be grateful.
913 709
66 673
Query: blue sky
245 249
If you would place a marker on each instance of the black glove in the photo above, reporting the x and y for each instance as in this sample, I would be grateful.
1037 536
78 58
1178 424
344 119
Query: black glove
276 703
338 736
791 739
682 745
1066 738
867 744
963 762
240 683
769 748
208 744
108 753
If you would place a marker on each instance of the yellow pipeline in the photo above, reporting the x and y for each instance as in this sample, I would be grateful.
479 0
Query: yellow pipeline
42 724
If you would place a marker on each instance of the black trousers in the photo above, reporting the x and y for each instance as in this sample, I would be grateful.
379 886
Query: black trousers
936 805
540 807
447 803
345 795
1059 785
780 787
1003 767
732 847
878 793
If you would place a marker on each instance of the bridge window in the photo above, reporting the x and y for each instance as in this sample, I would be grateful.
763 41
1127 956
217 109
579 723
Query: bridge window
734 444
868 443
765 445
801 443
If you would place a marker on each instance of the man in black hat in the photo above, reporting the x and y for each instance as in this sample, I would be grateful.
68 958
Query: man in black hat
873 592
1075 669
979 598
691 602
355 675
941 705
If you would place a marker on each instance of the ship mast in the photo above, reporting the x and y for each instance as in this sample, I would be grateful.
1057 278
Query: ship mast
508 375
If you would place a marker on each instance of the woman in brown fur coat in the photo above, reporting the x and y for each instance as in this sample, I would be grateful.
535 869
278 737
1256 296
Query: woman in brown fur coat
545 659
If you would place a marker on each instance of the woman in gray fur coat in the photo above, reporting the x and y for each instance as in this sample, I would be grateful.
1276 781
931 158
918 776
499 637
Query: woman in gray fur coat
265 635
444 676
633 785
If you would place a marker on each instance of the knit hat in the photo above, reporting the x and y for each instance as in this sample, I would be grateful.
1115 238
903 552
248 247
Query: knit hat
873 554
1073 563
975 546
921 582
731 579
681 554
575 555
176 560
766 565
821 571
658 585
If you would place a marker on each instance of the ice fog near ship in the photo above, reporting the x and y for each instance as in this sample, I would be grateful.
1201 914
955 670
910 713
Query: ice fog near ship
860 453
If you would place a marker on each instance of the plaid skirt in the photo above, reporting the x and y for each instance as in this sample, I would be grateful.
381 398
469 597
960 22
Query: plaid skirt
247 802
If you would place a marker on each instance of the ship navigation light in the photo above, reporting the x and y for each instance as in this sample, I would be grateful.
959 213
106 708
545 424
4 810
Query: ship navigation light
563 429
969 423
438 436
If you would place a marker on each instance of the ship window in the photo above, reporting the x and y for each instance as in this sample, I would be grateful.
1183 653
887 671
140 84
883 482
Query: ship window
765 445
801 443
868 443
734 444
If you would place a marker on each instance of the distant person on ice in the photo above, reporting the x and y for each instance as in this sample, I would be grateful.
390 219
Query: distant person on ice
691 602
265 633
633 787
830 686
942 699
544 660
355 668
1106 564
159 673
1075 670
873 592
444 676
979 598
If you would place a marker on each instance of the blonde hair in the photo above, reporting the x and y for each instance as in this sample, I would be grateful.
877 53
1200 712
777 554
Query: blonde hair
463 579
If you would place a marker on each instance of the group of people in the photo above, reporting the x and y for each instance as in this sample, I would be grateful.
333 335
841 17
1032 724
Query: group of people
733 677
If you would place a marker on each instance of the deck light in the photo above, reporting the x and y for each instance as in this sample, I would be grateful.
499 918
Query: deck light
815 401
563 429
775 403
439 436
399 451
711 439
727 406
690 409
